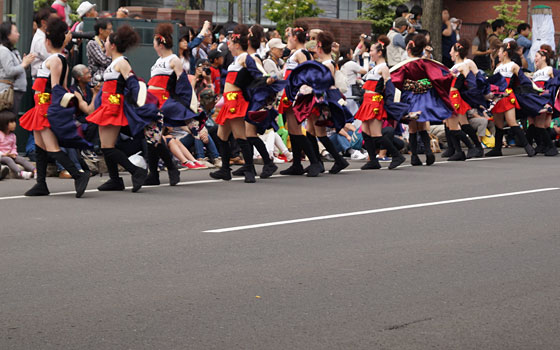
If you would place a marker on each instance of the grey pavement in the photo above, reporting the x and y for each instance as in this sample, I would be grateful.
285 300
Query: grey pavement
137 271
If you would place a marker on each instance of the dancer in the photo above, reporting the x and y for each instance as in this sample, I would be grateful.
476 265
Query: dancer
51 120
457 127
115 111
504 110
232 115
425 86
373 110
296 42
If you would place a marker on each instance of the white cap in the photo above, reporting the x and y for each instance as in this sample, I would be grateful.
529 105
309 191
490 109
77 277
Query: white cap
84 8
276 44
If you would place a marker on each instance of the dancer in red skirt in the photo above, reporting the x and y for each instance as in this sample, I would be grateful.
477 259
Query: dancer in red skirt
50 96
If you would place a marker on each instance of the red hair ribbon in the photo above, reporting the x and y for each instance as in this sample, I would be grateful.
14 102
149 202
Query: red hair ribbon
235 37
381 43
161 38
459 46
298 29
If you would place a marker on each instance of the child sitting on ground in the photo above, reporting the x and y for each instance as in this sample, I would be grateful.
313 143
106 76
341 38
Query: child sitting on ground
8 147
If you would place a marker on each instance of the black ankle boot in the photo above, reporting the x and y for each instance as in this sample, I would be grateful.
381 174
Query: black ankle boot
339 162
81 179
138 178
113 184
413 142
224 173
523 140
459 155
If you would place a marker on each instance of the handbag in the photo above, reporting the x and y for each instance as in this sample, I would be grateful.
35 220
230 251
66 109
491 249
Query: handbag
7 96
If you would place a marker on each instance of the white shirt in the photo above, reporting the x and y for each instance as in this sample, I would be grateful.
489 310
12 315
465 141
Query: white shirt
39 48
351 70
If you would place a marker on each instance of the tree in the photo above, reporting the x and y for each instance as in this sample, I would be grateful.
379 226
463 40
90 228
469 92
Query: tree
510 14
37 4
285 12
431 21
189 4
381 13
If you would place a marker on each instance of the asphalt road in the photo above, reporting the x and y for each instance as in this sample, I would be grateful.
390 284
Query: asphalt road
141 271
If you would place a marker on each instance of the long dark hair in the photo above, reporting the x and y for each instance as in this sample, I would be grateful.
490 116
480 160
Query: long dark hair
187 52
481 35
5 31
6 117
344 52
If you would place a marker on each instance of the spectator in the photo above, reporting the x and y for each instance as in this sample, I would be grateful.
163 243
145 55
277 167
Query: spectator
12 66
98 61
202 76
184 53
63 10
38 46
415 17
86 9
351 71
481 47
396 49
85 95
498 28
524 31
122 12
273 62
216 59
201 51
8 147
401 11
448 39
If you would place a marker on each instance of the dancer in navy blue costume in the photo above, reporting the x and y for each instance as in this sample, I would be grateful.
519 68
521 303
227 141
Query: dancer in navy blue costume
55 127
425 86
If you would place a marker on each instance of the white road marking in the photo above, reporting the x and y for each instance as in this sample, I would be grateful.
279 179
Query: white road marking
380 210
196 182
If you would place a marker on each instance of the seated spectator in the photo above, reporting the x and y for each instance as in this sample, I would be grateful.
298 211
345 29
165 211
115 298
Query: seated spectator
202 78
275 146
8 147
181 152
85 95
342 142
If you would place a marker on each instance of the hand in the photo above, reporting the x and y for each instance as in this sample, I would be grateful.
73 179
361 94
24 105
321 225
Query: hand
335 47
12 155
206 27
203 135
79 96
214 46
122 12
348 137
27 60
270 80
96 88
67 38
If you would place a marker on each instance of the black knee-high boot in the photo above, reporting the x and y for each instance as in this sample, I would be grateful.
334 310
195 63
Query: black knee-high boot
42 161
296 168
550 148
463 137
81 179
138 174
339 162
521 137
153 159
165 154
532 134
115 183
370 146
450 148
315 148
396 156
248 168
459 155
538 138
477 152
497 150
224 173
413 142
269 167
315 168
430 158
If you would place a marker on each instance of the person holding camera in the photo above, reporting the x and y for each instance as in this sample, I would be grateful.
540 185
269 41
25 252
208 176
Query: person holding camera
98 60
202 78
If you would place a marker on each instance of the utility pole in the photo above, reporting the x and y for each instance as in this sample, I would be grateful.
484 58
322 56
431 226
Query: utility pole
24 19
240 11
431 21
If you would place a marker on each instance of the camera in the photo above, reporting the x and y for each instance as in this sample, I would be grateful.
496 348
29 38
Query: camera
207 71
83 35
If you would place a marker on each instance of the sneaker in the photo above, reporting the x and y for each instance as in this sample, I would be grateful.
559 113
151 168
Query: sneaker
26 175
4 171
236 161
383 159
357 155
64 174
206 163
193 165
277 160
218 162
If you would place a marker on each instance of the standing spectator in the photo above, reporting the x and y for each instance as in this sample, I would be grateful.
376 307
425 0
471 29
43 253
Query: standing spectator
86 9
273 62
401 11
12 66
396 49
63 10
481 47
448 38
38 46
415 17
351 70
524 31
201 51
216 59
98 61
498 28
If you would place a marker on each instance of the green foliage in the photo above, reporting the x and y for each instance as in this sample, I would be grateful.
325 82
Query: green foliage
381 13
37 4
188 4
285 12
509 13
